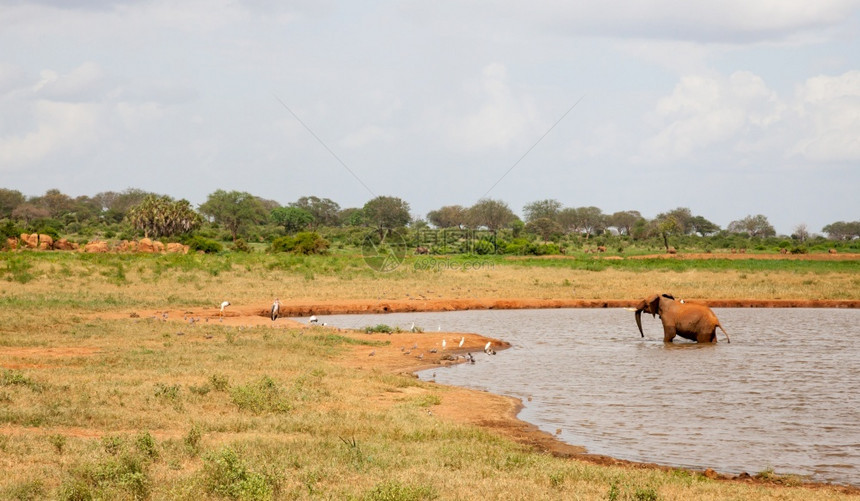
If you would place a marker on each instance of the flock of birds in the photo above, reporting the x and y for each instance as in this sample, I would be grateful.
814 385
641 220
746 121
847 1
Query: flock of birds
275 314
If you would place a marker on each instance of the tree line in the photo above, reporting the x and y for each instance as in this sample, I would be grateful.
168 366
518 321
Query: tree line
239 215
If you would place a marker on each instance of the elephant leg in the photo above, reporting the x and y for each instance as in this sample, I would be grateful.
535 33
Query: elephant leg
668 334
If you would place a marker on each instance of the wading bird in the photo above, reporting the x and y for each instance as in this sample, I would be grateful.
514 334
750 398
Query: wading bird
313 319
276 307
462 340
443 344
224 305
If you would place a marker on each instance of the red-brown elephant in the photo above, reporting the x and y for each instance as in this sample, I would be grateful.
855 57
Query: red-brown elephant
693 321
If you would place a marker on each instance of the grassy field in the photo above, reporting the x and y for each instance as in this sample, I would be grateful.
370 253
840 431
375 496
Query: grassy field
101 398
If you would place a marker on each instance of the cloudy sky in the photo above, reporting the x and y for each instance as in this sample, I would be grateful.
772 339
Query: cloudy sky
731 108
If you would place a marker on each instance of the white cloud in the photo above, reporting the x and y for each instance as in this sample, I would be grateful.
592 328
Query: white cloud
60 128
503 118
706 110
829 106
369 134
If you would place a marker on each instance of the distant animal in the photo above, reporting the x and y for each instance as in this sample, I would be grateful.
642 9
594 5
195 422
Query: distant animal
276 307
832 251
313 319
444 343
692 321
462 340
671 250
422 250
488 348
783 251
601 248
224 305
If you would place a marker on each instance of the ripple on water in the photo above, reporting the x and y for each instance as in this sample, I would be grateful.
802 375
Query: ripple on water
783 395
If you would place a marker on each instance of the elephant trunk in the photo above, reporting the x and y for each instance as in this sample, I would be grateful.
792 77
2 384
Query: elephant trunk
639 321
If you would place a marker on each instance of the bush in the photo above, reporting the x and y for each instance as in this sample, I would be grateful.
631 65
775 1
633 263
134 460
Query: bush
305 243
240 246
209 246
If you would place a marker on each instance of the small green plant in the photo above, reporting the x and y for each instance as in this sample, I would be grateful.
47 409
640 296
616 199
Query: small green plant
167 392
391 490
29 490
192 439
58 441
226 474
379 328
146 445
219 382
263 395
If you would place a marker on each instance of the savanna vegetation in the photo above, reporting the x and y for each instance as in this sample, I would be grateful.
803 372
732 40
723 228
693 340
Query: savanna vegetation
105 396
240 221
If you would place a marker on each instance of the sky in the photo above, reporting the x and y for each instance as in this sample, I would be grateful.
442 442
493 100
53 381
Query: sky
730 109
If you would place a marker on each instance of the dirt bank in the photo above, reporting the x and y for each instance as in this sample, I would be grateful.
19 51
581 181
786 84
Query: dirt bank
408 352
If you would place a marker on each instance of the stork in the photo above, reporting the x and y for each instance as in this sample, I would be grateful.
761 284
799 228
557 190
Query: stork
224 305
462 340
276 306
313 319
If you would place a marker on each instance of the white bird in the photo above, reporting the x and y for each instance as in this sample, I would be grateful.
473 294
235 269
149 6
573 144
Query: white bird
488 348
443 344
462 340
313 319
224 305
276 306
412 329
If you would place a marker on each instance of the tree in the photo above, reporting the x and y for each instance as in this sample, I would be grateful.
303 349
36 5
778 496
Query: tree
28 212
352 216
754 226
682 216
842 230
325 212
491 214
160 216
9 201
115 205
702 226
55 202
548 209
449 216
233 210
568 219
545 227
591 219
292 219
386 213
801 232
624 221
667 225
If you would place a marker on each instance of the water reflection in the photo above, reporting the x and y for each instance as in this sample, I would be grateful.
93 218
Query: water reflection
782 395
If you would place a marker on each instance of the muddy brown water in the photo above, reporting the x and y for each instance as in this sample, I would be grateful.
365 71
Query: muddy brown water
783 396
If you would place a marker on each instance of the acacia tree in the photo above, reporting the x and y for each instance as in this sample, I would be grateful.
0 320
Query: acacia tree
841 230
624 221
160 216
386 213
754 226
548 209
449 216
492 214
233 210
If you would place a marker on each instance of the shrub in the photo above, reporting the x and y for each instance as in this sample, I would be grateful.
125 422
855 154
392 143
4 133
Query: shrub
240 246
207 245
226 474
305 243
378 328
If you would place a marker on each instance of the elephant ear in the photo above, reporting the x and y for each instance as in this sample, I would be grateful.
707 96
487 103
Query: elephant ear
654 307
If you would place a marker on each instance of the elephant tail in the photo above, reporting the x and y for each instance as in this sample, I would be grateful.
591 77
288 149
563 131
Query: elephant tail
724 332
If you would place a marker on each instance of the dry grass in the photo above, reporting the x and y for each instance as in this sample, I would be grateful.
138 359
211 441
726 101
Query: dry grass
96 403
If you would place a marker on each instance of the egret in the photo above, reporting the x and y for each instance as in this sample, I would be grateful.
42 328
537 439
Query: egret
443 344
276 306
224 305
462 340
313 319
488 348
412 329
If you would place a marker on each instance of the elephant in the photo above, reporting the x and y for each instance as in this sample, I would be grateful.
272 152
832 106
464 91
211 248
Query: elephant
692 321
